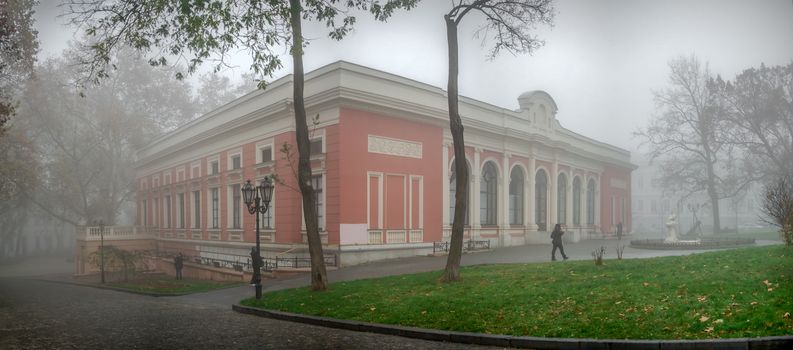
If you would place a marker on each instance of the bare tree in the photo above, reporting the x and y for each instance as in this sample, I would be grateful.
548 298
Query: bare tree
688 138
778 206
212 31
86 144
507 23
759 105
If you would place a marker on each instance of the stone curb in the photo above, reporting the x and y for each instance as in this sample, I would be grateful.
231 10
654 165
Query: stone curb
117 289
99 286
776 342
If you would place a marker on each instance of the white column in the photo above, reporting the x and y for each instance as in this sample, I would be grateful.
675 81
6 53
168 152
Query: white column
569 201
504 193
474 205
445 185
531 223
554 177
597 203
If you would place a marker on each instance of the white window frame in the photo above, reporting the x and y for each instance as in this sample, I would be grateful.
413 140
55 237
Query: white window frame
180 211
192 203
230 156
166 210
210 224
180 174
195 169
262 146
166 178
270 212
230 206
320 135
214 158
322 222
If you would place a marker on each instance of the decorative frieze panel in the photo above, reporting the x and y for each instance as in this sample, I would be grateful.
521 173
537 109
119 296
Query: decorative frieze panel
618 183
394 147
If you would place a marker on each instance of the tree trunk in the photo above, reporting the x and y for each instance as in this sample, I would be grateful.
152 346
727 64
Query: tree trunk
714 202
452 271
319 277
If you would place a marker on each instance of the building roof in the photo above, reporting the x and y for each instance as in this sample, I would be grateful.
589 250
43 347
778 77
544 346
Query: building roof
349 84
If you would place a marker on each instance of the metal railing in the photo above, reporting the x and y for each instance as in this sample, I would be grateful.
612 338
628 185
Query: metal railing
469 245
243 263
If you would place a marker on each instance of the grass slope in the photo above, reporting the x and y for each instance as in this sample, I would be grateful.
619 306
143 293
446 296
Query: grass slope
737 293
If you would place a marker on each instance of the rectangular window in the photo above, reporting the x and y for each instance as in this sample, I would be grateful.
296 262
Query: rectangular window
267 219
315 147
235 162
196 209
167 211
215 218
316 182
180 206
266 154
213 167
236 195
145 214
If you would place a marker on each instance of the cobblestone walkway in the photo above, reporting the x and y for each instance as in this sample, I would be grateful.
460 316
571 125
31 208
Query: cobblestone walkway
45 315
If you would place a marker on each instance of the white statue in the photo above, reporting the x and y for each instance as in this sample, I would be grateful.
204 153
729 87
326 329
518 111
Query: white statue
671 229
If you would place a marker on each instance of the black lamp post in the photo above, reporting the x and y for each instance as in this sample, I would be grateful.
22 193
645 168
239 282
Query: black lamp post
101 224
258 201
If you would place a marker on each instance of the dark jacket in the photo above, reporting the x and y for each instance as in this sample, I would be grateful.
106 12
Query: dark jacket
177 262
556 236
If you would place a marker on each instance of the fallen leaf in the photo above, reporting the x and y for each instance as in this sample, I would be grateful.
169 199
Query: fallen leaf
702 298
767 283
704 318
709 329
617 303
372 308
786 315
646 284
770 289
424 312
719 321
753 303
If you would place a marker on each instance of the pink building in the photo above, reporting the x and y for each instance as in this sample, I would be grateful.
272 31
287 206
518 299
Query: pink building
382 161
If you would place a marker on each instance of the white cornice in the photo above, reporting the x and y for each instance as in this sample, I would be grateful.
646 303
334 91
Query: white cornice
341 84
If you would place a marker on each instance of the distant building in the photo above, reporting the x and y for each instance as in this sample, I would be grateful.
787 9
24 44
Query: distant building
652 206
382 161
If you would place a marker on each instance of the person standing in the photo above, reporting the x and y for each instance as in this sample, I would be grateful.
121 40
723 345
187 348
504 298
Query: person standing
178 263
619 230
556 240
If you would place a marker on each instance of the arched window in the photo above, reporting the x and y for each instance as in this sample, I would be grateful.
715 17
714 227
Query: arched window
516 180
590 202
541 200
576 201
488 195
453 193
561 201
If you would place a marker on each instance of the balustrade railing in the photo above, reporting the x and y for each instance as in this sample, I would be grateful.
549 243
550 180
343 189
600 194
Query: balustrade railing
95 233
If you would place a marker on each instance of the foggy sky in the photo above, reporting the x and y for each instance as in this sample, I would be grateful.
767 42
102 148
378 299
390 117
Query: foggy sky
601 61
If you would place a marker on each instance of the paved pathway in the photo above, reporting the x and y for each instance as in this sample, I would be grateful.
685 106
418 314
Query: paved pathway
528 253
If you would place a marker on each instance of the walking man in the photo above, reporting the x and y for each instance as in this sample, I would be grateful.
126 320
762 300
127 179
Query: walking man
556 240
619 230
178 262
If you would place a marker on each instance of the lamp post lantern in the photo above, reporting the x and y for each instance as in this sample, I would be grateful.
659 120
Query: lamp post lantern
257 199
101 224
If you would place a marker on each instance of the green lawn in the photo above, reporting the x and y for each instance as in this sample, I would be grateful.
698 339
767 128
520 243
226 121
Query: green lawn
169 285
736 293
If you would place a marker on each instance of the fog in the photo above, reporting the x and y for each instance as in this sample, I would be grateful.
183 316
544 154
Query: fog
600 62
